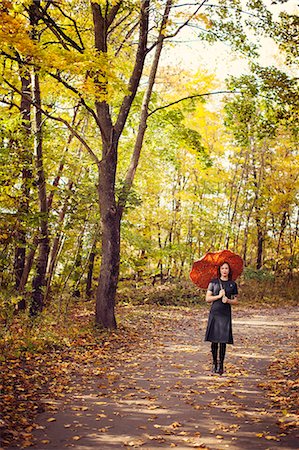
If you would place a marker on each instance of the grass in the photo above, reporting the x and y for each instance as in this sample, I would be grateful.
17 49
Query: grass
253 292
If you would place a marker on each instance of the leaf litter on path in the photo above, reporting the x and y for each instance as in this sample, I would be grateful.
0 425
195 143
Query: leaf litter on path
156 390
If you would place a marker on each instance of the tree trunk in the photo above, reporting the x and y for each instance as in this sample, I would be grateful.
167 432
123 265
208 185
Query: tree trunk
283 226
34 245
257 179
236 184
293 246
88 290
57 240
110 218
38 283
260 241
28 263
110 214
26 157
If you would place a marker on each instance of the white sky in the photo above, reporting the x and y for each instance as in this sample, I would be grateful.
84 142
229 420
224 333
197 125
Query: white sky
218 58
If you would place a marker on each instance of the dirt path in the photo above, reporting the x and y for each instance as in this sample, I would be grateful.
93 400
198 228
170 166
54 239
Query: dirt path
165 397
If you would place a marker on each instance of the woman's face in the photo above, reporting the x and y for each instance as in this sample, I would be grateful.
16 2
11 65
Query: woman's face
224 270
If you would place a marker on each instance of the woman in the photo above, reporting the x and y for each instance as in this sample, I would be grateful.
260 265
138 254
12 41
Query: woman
222 293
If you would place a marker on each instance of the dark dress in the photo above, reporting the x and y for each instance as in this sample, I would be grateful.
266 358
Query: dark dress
219 328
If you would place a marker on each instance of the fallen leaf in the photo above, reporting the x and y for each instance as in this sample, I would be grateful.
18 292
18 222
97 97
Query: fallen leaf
272 438
175 425
136 443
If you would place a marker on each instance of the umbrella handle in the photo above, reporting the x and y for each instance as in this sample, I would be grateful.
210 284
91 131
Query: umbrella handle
221 286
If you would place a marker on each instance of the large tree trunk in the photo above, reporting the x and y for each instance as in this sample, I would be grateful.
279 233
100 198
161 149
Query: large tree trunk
109 271
110 213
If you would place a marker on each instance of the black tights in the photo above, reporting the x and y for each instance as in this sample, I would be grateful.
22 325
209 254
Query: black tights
222 350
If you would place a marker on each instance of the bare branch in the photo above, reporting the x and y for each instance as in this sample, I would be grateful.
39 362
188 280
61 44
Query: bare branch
181 26
189 97
56 30
112 13
82 101
72 20
57 119
9 103
119 22
138 68
144 112
129 33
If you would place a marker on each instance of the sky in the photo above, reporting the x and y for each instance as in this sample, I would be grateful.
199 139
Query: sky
218 58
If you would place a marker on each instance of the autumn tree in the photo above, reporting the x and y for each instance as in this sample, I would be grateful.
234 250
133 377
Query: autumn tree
104 57
262 119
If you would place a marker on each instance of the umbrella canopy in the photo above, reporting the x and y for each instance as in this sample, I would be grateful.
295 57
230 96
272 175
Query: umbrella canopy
205 269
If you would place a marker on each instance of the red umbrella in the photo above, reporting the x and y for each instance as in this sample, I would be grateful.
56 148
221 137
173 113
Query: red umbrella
205 269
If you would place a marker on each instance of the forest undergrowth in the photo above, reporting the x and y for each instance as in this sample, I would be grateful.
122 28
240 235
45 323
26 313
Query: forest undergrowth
40 357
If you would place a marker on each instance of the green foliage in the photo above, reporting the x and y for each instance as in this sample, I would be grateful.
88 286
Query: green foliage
225 22
198 186
258 274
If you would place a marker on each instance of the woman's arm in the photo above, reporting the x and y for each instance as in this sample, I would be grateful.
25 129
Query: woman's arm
210 298
231 301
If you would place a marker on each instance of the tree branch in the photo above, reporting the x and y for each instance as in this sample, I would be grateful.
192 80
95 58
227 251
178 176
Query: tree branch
137 71
234 9
180 27
119 22
112 13
82 101
56 30
9 103
57 77
72 20
128 34
57 119
144 112
189 97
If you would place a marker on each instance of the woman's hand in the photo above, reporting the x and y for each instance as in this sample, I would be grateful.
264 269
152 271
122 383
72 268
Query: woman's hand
221 293
224 299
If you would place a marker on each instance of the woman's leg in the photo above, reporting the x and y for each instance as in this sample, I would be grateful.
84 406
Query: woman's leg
222 351
214 350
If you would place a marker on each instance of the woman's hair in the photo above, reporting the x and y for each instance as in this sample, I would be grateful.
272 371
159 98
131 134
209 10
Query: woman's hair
229 273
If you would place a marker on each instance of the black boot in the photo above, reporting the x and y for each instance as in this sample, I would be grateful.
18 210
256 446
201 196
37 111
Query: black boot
220 369
222 351
215 367
214 349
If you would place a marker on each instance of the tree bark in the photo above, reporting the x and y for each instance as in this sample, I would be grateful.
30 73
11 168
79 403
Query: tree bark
110 214
257 179
38 283
144 110
26 157
57 240
88 289
260 241
110 218
283 226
